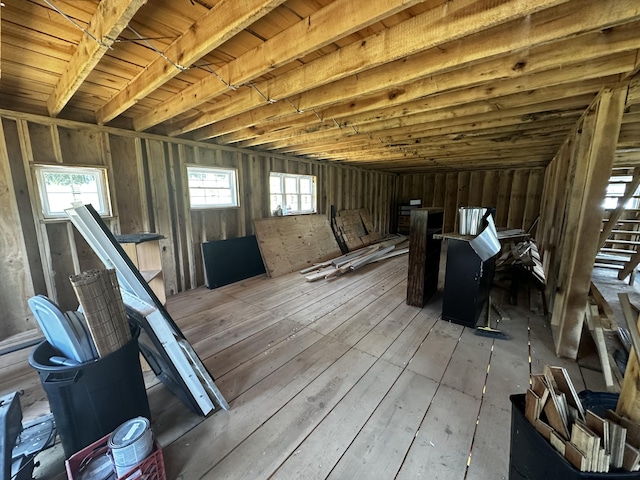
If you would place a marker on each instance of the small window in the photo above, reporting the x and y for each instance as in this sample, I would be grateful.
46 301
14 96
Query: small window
292 194
212 187
61 187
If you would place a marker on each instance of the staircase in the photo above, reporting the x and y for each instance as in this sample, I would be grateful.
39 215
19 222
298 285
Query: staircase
620 234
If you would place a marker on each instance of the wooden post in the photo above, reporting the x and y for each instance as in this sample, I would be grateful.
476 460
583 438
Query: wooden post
591 167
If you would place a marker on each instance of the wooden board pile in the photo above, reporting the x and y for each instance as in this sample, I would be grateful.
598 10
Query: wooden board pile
523 254
355 260
354 229
588 441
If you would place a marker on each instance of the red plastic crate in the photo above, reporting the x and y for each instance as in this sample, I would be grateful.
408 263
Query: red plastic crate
151 468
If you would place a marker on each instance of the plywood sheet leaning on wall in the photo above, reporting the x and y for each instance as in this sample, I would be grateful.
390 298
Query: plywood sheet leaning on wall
355 228
292 243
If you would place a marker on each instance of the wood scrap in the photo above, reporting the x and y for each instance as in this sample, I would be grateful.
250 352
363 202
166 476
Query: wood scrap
354 228
392 240
533 406
629 400
609 321
348 262
585 440
595 444
575 457
631 458
523 257
595 328
543 429
564 384
395 253
557 442
503 316
366 259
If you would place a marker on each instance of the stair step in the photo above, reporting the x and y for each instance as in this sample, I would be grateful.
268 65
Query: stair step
612 258
622 221
612 266
617 250
626 232
623 242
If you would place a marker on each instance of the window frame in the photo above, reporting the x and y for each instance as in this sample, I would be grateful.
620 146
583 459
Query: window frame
282 177
104 209
234 189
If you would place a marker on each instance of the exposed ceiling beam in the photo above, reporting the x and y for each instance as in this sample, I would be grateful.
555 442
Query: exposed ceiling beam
420 112
453 120
438 25
111 17
505 133
224 20
541 28
400 103
410 166
337 20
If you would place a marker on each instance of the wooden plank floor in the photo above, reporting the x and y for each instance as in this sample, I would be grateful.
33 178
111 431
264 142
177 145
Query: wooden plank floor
335 379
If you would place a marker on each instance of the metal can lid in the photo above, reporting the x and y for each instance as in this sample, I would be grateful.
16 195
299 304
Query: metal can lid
129 432
99 468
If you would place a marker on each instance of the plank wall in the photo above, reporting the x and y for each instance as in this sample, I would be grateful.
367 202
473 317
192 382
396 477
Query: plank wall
148 191
515 193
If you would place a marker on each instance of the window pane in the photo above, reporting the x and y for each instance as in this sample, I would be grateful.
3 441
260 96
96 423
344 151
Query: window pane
290 185
276 201
292 202
275 185
61 187
212 187
305 185
306 203
294 193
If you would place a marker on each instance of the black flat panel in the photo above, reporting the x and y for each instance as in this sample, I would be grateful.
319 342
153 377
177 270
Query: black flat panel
229 261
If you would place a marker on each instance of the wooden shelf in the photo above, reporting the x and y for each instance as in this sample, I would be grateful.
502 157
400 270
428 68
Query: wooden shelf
149 275
145 255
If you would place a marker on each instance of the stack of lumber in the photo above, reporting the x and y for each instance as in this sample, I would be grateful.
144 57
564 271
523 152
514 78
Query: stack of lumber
588 441
354 229
354 260
525 255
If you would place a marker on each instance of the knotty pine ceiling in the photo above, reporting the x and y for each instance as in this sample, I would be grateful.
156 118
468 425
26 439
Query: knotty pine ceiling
394 85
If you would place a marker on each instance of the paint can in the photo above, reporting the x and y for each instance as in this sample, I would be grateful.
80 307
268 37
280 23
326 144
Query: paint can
130 444
470 220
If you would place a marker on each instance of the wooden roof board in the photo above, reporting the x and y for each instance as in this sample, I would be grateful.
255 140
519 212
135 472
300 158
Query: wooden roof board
397 103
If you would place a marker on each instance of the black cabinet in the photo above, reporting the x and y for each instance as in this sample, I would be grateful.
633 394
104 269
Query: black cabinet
467 283
424 254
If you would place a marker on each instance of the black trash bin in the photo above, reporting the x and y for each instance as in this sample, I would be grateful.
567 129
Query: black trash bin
92 399
533 458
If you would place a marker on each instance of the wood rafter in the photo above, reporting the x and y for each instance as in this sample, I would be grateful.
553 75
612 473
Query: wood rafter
339 80
111 17
543 27
558 85
338 19
224 20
